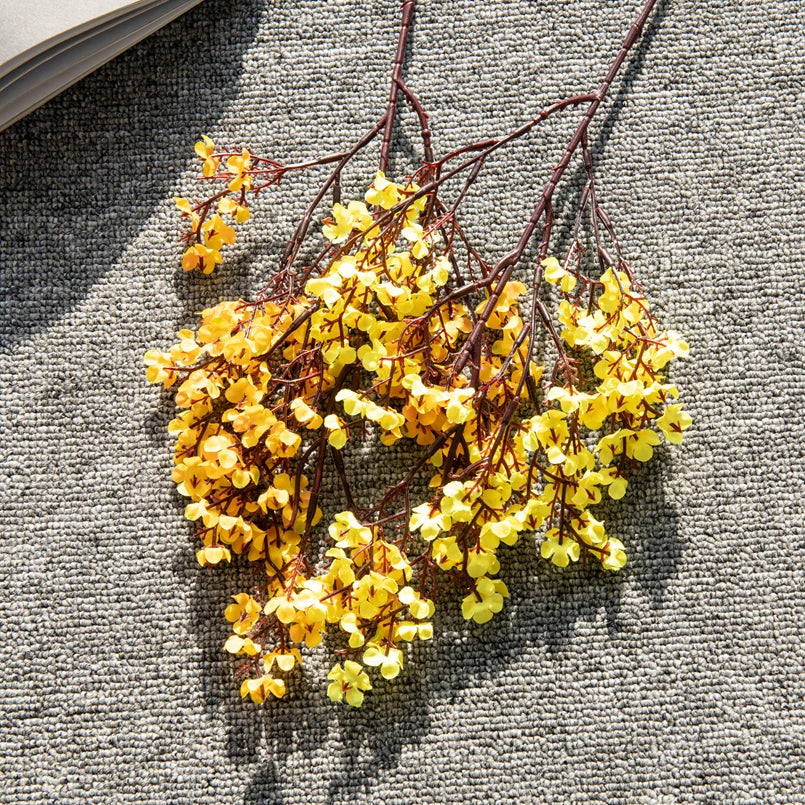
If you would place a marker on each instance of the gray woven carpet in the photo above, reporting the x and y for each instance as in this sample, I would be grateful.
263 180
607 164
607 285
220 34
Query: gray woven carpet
680 680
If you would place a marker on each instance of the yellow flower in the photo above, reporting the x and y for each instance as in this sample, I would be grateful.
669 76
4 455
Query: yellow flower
673 421
243 613
201 257
205 149
361 217
481 605
338 433
639 445
614 557
157 372
187 212
285 660
551 431
431 522
560 550
494 532
236 644
183 205
382 192
420 243
213 555
338 228
554 273
591 331
420 608
441 270
305 415
458 410
445 551
610 446
455 502
590 529
587 492
227 206
347 532
616 284
251 422
481 562
238 165
325 288
616 484
390 660
371 355
260 688
216 232
348 682
243 390
339 354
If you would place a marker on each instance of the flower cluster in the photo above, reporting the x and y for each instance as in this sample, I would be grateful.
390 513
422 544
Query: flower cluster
208 231
379 339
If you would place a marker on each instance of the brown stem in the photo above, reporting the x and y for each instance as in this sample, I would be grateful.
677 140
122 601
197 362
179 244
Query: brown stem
507 263
292 251
338 461
396 82
424 126
604 258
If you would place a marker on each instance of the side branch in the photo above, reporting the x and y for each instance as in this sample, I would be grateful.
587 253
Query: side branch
507 263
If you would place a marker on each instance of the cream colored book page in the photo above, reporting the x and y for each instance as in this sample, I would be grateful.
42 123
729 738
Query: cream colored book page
30 26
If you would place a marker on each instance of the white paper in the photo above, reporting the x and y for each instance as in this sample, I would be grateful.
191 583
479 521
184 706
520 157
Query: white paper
47 46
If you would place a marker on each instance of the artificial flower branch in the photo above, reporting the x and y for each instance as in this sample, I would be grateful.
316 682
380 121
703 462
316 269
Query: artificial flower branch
400 329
